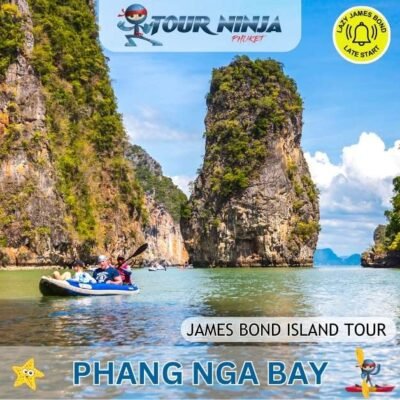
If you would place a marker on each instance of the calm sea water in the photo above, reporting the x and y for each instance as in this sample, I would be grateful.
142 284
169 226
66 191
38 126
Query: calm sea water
150 322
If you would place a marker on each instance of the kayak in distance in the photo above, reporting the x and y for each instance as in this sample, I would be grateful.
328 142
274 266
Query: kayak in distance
374 389
158 267
54 287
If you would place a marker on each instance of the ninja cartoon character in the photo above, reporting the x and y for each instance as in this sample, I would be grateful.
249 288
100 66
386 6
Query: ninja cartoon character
369 368
136 14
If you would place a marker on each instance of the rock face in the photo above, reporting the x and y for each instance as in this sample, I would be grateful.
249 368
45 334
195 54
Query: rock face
389 259
253 203
163 235
379 256
385 253
30 206
66 189
163 202
143 162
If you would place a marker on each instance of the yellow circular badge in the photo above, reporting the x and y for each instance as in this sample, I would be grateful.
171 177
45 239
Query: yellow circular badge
361 35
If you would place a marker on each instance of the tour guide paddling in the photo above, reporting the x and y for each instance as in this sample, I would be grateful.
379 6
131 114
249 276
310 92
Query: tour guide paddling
106 273
124 270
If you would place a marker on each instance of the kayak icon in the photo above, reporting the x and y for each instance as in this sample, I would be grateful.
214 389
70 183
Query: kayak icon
368 368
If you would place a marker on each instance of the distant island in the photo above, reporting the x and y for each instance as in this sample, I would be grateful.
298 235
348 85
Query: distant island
329 257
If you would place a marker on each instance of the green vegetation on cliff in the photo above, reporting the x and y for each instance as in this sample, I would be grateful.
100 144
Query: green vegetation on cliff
392 232
385 252
254 202
84 133
386 237
162 188
85 129
268 98
11 35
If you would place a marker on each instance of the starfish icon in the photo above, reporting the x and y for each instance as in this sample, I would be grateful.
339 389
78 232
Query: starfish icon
26 374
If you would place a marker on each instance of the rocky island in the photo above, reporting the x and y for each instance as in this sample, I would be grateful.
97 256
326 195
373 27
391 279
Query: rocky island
164 201
67 175
66 188
329 257
254 202
72 186
385 252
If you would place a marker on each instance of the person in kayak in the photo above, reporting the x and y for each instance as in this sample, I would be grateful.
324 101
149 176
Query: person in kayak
80 275
124 270
369 368
106 273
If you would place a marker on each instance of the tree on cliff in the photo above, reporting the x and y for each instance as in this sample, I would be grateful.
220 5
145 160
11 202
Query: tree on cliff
66 187
393 216
254 202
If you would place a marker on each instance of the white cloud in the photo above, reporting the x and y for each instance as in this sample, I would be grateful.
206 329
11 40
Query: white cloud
147 126
367 166
323 171
355 192
183 182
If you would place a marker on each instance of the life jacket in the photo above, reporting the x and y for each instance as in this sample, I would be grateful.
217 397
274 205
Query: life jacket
125 274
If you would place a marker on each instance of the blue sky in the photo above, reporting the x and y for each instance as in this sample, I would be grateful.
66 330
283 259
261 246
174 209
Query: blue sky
162 98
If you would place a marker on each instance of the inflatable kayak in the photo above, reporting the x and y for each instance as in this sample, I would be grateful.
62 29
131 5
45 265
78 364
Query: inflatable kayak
54 287
379 389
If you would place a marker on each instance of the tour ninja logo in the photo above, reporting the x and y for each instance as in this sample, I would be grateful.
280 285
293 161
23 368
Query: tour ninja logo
242 28
136 14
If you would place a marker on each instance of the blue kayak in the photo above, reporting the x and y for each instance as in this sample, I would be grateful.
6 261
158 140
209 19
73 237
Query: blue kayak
54 287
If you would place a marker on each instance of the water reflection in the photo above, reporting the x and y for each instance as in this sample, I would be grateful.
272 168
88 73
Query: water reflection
150 322
266 293
167 298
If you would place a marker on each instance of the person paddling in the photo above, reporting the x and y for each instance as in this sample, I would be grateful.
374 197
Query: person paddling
106 273
124 270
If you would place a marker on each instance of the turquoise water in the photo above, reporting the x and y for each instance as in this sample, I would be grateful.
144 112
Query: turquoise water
151 320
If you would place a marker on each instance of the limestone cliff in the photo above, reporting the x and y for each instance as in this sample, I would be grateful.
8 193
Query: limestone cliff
380 256
163 202
385 253
30 205
163 234
66 188
253 203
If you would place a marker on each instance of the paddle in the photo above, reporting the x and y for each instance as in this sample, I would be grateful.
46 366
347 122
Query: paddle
365 389
364 384
140 250
359 357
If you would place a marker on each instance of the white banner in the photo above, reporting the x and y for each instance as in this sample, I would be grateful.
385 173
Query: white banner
288 330
200 26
